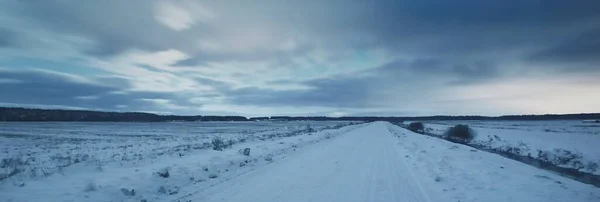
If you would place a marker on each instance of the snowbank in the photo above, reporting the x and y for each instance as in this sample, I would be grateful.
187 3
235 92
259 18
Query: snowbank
570 144
461 173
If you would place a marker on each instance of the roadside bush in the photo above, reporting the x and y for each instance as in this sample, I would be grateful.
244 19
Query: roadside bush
164 173
416 127
245 151
12 166
218 144
128 192
566 157
230 143
461 133
269 158
310 129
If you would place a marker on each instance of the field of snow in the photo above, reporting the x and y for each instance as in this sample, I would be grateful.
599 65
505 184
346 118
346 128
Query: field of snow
455 172
571 144
384 163
139 161
263 162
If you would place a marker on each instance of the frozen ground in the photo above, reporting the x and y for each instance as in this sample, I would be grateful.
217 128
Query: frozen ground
382 162
366 162
572 144
94 161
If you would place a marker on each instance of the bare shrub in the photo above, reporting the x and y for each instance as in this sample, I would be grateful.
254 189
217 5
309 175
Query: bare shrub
245 151
269 158
416 127
461 133
230 142
128 192
12 166
310 129
164 173
218 144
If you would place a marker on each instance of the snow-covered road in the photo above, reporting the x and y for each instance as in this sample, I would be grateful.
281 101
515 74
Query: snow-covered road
381 162
362 165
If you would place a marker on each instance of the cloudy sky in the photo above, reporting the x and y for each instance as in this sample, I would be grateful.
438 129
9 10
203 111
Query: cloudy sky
309 57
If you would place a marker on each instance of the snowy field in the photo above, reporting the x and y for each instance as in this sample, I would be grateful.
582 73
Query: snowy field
130 161
455 172
263 162
571 144
385 163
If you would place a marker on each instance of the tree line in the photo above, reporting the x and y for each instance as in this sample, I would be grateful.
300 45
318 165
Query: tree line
25 114
28 114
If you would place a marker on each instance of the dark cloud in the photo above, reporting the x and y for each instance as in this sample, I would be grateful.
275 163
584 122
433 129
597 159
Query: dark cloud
8 38
413 80
463 27
334 92
40 87
478 71
458 72
434 44
115 26
582 48
487 13
440 28
45 87
466 25
281 57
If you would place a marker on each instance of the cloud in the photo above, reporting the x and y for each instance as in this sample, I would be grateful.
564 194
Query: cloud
334 57
581 48
113 26
7 38
173 16
350 92
180 15
9 80
47 88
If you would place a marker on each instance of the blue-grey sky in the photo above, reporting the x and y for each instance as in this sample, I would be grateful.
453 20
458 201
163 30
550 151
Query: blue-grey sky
309 57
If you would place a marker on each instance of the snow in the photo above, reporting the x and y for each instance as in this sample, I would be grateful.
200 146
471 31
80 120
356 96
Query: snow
464 174
555 141
130 156
362 165
382 162
365 162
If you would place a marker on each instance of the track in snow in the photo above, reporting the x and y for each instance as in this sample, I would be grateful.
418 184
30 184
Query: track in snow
362 165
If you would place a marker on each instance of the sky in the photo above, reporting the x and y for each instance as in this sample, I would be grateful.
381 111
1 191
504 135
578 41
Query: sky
309 57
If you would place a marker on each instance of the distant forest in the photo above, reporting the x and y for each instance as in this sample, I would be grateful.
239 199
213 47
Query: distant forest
25 114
